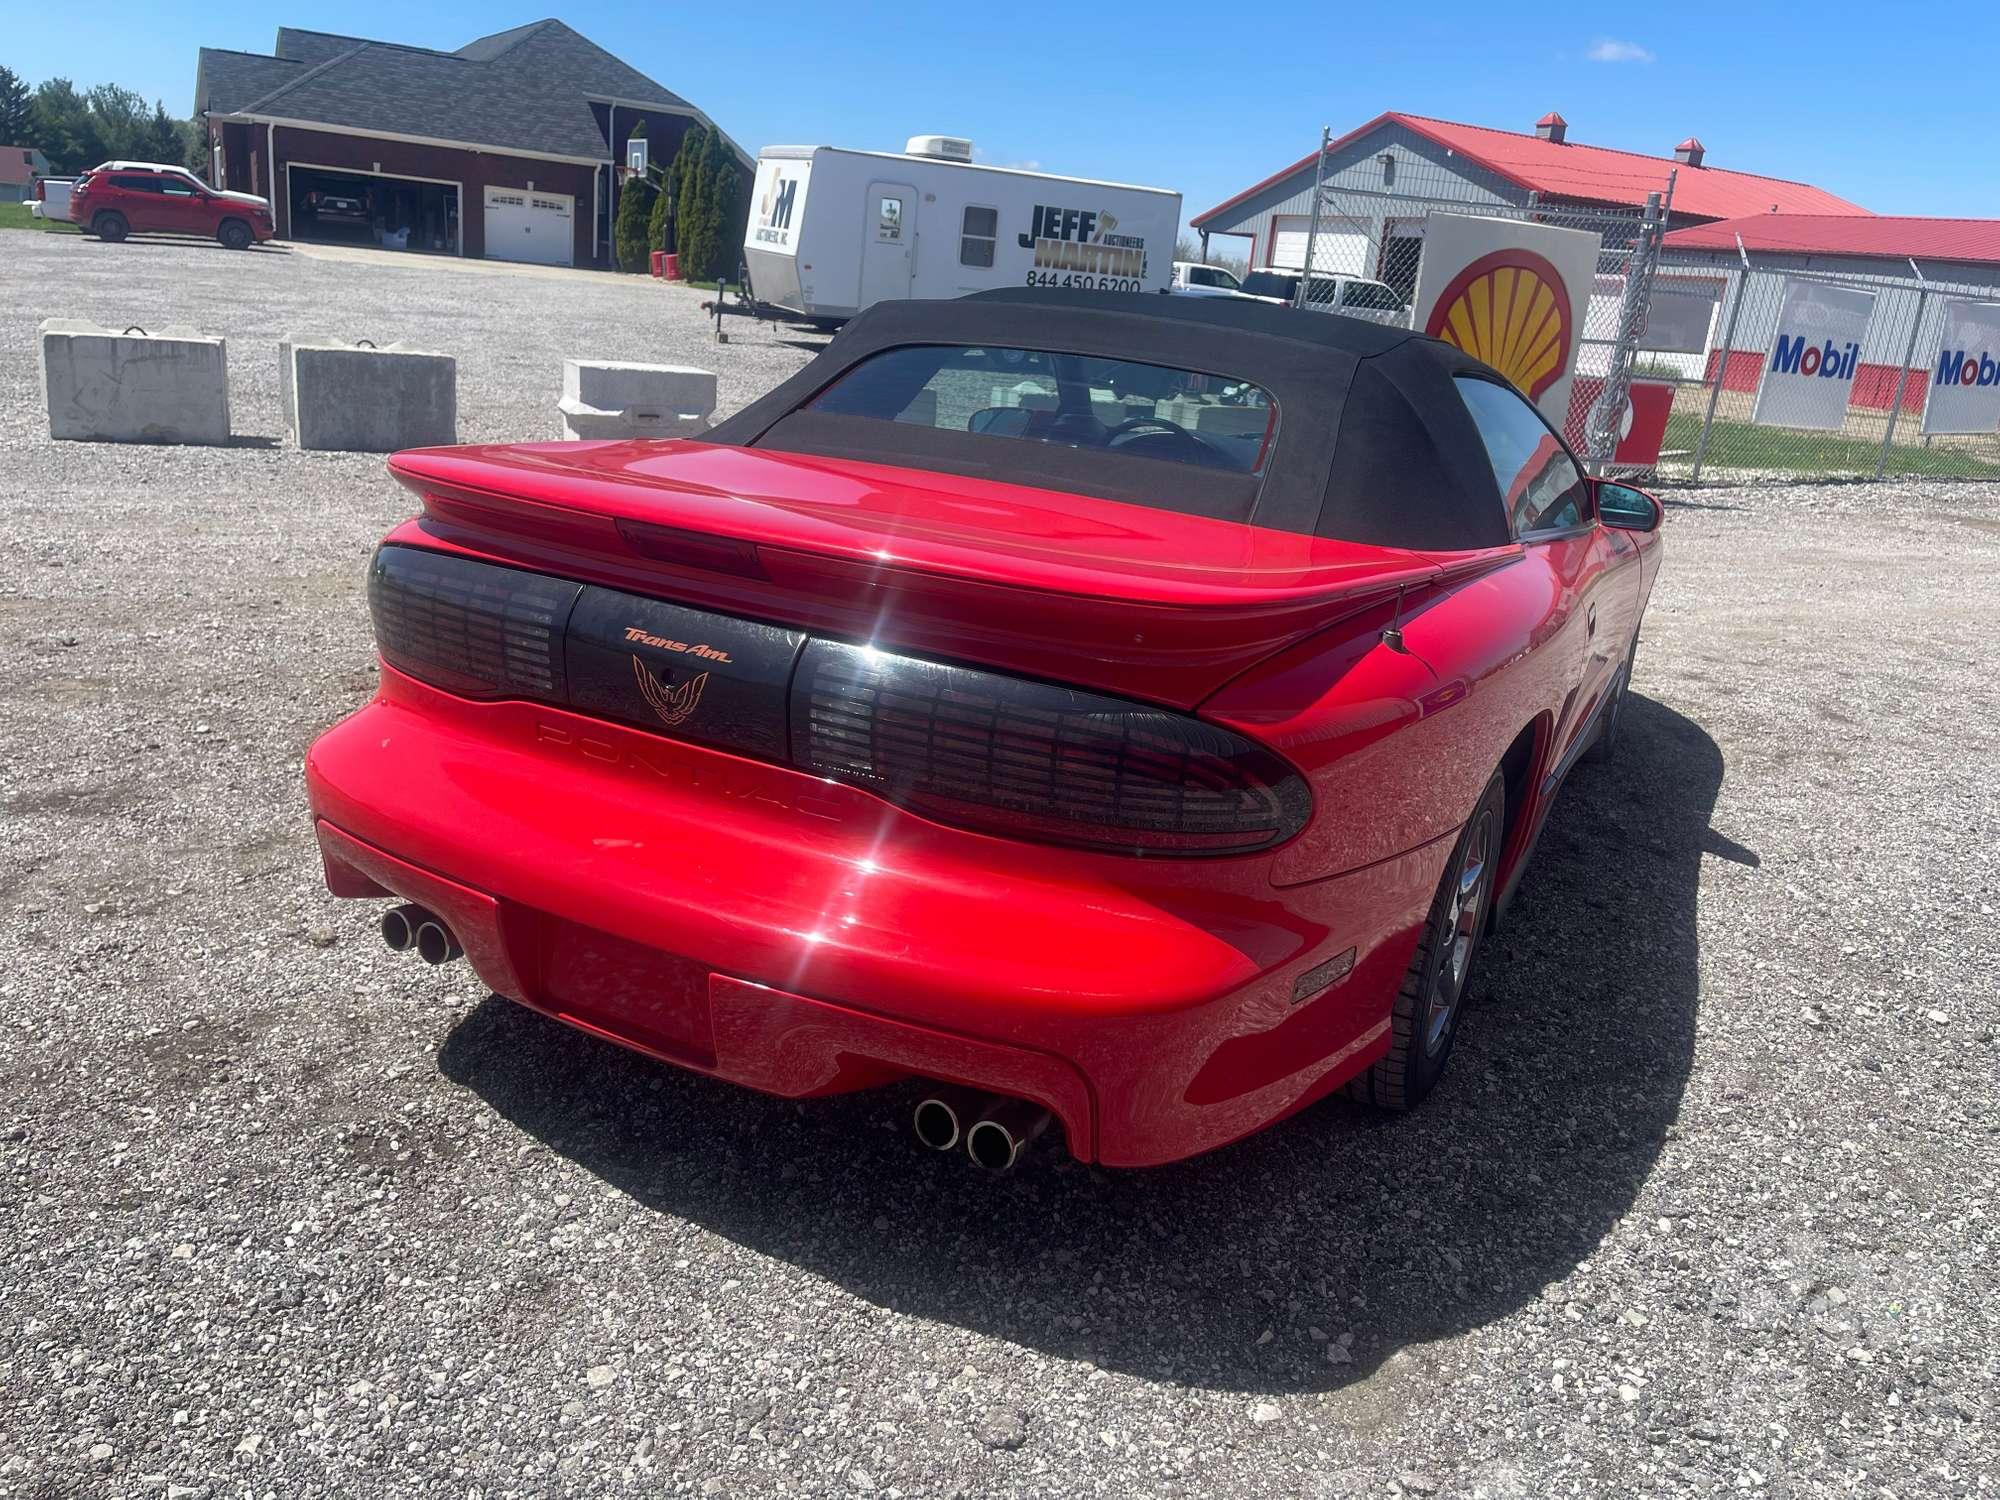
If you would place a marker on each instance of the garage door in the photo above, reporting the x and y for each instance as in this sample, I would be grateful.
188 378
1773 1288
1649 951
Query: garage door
534 227
1335 250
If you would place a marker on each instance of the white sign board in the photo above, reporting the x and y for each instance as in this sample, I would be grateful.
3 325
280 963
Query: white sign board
635 155
1514 295
1965 386
1809 375
1679 313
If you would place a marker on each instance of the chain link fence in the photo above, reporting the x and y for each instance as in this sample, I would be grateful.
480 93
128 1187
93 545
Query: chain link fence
1377 234
1710 437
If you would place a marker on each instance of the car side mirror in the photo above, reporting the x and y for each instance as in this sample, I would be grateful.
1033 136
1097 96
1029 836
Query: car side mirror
1627 509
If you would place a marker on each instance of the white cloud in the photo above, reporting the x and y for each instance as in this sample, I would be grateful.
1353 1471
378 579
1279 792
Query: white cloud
1610 50
981 154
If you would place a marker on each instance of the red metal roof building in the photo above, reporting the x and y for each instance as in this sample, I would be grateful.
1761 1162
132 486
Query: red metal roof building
1548 163
1971 242
1954 257
1440 163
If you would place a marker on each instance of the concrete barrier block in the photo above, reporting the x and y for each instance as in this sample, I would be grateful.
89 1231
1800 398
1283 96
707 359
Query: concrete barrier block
101 385
619 399
356 398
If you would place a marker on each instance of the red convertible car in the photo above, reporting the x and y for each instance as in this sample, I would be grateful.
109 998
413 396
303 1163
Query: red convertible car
1128 711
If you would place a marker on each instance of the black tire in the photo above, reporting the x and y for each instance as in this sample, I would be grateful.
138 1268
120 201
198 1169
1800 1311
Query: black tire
1420 1040
1604 744
234 234
110 227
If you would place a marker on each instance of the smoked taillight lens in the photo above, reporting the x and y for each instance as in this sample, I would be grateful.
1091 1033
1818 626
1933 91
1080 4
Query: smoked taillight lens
1028 759
481 631
976 749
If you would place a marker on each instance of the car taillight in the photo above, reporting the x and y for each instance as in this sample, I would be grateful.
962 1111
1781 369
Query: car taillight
960 745
481 631
1032 760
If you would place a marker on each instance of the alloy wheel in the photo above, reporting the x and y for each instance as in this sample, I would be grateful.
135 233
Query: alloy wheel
1463 919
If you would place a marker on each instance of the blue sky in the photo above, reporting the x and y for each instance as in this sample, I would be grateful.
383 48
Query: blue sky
1210 98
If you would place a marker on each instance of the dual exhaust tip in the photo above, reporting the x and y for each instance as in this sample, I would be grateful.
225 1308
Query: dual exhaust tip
407 927
993 1129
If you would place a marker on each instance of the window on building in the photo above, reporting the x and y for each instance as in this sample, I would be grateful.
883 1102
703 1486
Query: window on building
978 233
1541 485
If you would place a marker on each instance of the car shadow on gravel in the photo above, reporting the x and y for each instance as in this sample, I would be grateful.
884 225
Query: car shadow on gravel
1300 1259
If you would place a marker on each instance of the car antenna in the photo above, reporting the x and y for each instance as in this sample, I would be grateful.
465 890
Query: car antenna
1392 633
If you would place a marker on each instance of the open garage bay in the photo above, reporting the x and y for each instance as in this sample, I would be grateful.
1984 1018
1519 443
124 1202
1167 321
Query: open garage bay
1705 1205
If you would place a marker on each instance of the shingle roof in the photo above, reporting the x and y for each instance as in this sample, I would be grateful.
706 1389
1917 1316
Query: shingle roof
1873 236
527 89
1592 174
225 81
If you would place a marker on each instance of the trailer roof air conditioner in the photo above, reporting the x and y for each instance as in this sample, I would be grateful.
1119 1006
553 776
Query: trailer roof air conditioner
943 147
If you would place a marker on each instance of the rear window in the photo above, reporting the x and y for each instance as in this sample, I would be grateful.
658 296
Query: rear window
1270 284
1190 441
1092 405
1370 294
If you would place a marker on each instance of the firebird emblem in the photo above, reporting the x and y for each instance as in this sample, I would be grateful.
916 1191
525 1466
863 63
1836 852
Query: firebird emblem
673 705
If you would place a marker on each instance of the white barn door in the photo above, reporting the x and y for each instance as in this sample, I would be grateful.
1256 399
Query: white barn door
1341 251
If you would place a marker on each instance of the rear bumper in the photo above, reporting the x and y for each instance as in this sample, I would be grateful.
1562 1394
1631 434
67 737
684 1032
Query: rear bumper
799 937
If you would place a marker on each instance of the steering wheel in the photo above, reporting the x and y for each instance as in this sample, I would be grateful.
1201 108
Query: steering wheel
1137 428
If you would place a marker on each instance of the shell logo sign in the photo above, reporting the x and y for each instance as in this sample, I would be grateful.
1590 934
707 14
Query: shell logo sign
1512 294
1510 309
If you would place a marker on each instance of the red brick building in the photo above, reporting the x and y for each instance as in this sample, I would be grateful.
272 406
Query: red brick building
505 148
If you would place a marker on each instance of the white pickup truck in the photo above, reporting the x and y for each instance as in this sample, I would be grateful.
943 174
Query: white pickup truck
51 200
1353 296
1193 279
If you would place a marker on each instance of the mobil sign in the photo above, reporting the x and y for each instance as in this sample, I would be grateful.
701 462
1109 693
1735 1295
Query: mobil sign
1965 382
1810 374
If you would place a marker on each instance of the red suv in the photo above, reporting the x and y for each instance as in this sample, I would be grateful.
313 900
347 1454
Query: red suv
126 197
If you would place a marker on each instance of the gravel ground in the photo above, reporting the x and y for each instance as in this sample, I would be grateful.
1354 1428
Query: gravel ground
1706 1205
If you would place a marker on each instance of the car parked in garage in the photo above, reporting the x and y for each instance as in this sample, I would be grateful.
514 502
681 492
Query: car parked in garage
136 197
1141 732
335 208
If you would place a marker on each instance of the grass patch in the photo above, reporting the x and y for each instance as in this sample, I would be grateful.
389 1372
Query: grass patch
16 216
1745 445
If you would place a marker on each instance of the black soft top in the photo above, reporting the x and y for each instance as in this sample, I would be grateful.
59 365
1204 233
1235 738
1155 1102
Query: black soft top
1374 443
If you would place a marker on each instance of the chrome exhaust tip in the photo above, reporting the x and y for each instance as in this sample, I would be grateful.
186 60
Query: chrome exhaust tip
997 1138
435 943
399 927
936 1121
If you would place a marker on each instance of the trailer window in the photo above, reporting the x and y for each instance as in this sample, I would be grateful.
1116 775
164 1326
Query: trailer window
978 233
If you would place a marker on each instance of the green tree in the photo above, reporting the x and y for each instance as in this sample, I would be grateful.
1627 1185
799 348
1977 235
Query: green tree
195 154
687 212
124 124
656 222
65 129
712 228
164 141
728 208
628 235
17 111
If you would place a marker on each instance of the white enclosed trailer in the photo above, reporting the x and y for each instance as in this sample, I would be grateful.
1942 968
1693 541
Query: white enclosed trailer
832 231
